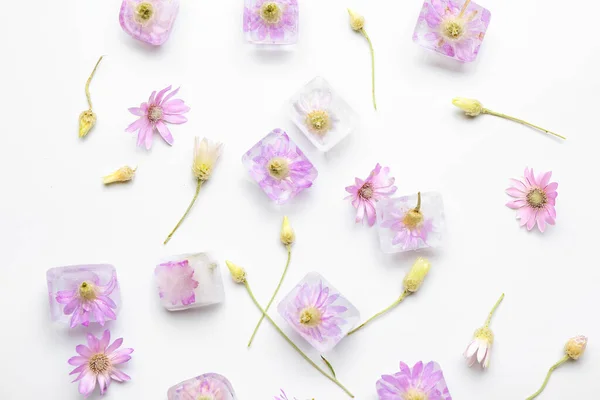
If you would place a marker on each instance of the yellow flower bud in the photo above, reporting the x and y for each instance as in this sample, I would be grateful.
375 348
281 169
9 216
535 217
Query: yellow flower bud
238 274
357 22
471 107
123 174
416 275
87 120
287 233
575 347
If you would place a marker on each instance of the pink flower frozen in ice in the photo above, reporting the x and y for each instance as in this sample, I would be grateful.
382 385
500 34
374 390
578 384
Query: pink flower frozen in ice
89 299
411 228
365 194
271 18
176 282
159 109
97 362
421 382
535 199
209 389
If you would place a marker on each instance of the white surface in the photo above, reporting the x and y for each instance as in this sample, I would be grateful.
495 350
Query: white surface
539 61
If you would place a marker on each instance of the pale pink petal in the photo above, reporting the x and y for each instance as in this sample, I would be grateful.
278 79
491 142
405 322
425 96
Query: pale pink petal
87 384
77 361
518 185
541 220
481 352
531 221
371 216
148 139
119 376
93 343
170 95
115 345
175 107
159 96
360 210
551 187
103 382
544 178
137 111
164 132
151 99
516 204
104 341
551 212
137 124
84 351
471 349
174 119
514 192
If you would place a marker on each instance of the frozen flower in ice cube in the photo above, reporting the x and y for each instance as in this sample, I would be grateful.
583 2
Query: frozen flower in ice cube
451 28
421 382
410 227
209 386
96 363
365 194
535 199
155 114
279 167
176 282
150 21
271 21
89 300
315 107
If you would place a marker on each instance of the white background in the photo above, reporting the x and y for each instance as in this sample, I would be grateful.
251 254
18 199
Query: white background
539 61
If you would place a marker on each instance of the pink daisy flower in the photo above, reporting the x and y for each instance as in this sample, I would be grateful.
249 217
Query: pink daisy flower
159 109
365 194
271 19
535 199
96 363
89 299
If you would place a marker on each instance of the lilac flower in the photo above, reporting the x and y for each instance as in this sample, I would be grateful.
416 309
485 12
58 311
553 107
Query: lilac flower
209 389
421 383
408 236
159 109
271 19
176 282
282 396
150 21
89 299
279 167
96 363
316 111
365 194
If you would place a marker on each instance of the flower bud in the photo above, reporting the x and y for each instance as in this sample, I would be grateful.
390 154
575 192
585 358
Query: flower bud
575 347
416 275
238 274
357 22
87 120
471 107
287 233
123 174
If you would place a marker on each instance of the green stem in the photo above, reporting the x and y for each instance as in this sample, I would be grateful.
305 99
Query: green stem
364 33
262 317
394 304
489 318
332 379
87 84
486 111
552 368
199 185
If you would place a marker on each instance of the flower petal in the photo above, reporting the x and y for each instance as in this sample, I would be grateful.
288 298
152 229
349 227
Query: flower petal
164 132
87 384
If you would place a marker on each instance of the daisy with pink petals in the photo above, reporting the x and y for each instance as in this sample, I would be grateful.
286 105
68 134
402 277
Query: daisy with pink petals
535 199
154 115
365 194
96 363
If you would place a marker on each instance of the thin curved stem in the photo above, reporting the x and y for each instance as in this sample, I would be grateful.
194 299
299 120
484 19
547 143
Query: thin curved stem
198 186
364 33
486 111
311 362
289 257
418 207
552 368
489 318
87 84
380 313
464 8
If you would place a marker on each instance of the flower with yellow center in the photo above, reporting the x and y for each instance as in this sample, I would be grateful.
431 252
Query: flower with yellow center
271 12
310 317
318 122
87 291
414 218
144 12
415 394
537 198
278 168
453 28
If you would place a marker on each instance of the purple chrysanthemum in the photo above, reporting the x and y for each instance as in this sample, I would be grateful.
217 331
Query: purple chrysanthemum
279 167
271 19
314 313
423 382
409 235
176 282
89 299
364 194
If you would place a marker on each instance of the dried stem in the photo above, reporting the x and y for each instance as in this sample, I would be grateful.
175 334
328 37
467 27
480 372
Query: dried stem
486 111
311 362
87 84
552 368
489 318
198 186
262 317
418 207
464 8
364 33
394 304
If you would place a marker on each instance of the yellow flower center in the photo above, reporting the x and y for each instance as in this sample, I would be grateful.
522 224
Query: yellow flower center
413 219
86 291
270 12
205 397
366 191
485 333
155 113
144 12
310 317
453 28
415 394
202 171
99 363
318 121
278 168
537 198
